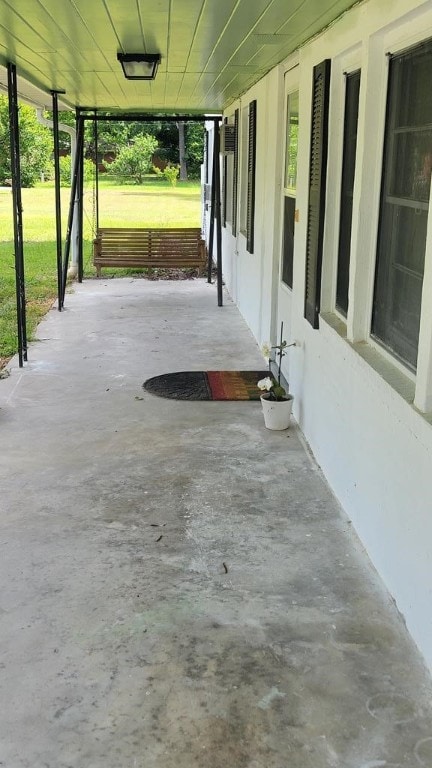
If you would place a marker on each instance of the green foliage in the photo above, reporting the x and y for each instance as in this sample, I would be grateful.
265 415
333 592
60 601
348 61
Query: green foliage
111 135
115 135
291 170
65 170
168 137
35 145
194 148
40 290
171 174
134 161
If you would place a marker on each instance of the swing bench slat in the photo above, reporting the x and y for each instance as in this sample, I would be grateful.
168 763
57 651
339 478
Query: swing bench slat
149 247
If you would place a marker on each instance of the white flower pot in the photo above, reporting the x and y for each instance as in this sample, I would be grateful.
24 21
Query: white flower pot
277 413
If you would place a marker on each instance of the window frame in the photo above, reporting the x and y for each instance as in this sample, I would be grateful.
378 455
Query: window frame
348 77
343 65
395 203
373 60
288 192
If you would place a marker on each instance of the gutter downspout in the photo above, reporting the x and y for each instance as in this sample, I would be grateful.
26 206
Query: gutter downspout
73 268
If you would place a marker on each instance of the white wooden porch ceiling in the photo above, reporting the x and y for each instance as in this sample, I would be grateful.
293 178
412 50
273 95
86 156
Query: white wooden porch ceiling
212 50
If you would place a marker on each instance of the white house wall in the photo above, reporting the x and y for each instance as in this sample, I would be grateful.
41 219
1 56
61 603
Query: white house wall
353 403
247 276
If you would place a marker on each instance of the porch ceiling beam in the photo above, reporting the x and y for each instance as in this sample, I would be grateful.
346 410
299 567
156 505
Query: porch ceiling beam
147 117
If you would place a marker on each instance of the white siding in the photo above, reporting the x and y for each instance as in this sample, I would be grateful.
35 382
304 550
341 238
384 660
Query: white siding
353 405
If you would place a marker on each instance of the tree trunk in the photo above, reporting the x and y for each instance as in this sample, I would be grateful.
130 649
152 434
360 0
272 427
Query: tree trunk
182 152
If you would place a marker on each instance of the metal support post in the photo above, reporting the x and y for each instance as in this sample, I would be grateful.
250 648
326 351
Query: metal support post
74 185
96 145
80 188
218 214
212 214
57 195
17 213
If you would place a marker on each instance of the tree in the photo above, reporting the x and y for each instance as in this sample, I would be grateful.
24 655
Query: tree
194 147
182 152
172 148
36 145
134 161
170 145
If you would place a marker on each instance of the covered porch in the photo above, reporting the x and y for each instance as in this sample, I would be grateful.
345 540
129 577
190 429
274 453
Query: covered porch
180 587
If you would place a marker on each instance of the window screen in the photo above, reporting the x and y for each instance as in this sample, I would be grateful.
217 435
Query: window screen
352 90
404 204
290 183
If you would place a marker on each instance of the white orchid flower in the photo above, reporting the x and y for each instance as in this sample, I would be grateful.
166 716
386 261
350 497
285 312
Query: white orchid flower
266 350
266 384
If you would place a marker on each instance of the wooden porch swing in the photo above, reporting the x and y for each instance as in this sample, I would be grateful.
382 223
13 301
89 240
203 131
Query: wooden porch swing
140 247
149 247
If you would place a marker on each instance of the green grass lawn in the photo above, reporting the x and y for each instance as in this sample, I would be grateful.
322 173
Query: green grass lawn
156 203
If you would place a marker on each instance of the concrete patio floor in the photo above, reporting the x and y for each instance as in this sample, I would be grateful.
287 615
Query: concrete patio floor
122 649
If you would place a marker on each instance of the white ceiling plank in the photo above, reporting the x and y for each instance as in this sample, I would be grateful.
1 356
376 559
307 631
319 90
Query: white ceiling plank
211 51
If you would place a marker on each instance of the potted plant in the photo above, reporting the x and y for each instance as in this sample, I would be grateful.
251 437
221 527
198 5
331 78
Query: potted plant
276 402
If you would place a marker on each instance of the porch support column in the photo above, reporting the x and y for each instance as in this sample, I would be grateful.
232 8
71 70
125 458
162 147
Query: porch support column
96 190
57 195
74 186
17 213
217 186
80 188
212 215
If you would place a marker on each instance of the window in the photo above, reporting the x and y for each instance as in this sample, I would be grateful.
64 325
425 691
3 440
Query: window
352 91
290 183
248 157
228 188
404 204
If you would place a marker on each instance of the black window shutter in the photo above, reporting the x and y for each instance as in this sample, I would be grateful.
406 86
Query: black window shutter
250 211
235 175
224 184
317 188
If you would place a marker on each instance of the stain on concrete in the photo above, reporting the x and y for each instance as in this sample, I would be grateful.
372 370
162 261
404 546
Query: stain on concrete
119 651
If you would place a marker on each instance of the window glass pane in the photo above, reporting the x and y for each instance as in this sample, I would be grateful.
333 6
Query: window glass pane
288 240
291 142
229 165
412 167
404 204
396 310
411 80
347 189
290 182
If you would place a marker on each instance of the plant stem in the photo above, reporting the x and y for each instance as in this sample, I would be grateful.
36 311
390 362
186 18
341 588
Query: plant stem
280 353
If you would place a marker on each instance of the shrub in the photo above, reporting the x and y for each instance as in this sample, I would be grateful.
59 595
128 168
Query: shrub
65 170
171 173
35 144
134 161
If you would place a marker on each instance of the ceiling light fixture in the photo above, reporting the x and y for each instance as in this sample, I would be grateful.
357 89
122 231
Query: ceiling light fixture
139 66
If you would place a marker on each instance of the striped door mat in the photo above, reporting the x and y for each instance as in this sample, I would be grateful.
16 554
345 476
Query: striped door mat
207 385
